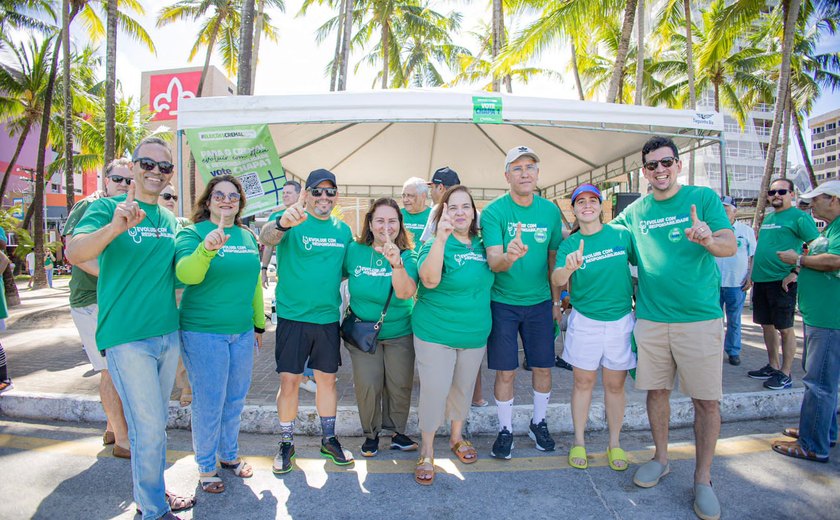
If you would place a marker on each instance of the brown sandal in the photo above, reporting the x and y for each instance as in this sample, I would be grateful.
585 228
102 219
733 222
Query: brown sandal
795 450
793 433
241 469
424 476
176 502
211 484
468 456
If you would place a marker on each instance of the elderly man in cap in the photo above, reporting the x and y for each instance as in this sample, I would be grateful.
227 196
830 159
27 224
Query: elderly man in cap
311 244
819 292
735 272
522 232
443 179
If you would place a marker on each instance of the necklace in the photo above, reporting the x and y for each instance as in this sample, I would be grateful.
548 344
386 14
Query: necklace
155 224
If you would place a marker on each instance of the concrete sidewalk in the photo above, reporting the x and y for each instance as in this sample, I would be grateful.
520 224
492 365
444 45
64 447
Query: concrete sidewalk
53 380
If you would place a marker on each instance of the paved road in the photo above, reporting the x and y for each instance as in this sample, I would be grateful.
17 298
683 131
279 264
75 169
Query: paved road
60 470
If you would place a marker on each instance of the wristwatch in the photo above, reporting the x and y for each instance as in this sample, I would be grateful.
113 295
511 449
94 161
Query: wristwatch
279 227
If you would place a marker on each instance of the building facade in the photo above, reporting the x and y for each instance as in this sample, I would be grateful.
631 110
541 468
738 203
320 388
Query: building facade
824 148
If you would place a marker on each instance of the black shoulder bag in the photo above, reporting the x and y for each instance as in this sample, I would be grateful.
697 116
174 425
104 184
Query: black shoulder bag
363 334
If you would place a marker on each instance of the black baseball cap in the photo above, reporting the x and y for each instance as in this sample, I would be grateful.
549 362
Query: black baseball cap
446 176
318 176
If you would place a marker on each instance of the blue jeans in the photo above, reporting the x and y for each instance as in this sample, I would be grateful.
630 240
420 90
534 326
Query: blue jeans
144 372
219 367
732 302
818 416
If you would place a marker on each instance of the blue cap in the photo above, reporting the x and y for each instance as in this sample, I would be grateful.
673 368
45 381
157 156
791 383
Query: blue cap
587 188
318 176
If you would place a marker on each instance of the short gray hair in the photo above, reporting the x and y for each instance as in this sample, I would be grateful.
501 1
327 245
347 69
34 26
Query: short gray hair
151 140
421 185
122 162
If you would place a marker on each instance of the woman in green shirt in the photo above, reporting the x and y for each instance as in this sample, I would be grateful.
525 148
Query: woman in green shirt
222 319
451 322
380 260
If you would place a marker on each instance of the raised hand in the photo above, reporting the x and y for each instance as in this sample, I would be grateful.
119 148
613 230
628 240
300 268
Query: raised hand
575 259
445 226
390 251
217 238
128 213
296 213
516 249
699 232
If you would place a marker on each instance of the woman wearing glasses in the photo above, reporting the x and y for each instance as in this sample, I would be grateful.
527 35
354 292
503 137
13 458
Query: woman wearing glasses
221 320
381 261
451 322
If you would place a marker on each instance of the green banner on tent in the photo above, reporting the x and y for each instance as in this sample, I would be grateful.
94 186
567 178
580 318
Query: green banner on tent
487 110
247 152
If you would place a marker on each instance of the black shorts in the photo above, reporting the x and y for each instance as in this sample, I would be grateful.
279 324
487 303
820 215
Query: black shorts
772 305
295 341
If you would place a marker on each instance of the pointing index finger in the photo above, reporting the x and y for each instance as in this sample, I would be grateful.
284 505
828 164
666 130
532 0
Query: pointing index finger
694 219
519 231
304 196
129 196
580 248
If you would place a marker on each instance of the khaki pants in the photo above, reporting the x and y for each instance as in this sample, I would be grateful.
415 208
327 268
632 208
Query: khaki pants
447 380
383 382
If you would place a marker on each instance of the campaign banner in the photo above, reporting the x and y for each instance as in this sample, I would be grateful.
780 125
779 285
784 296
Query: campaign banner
487 110
247 152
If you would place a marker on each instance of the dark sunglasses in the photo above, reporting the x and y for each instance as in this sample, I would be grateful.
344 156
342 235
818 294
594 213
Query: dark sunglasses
218 196
317 192
169 196
666 162
119 179
149 165
781 192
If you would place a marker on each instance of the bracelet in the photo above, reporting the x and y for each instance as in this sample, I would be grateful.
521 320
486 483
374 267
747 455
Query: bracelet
264 268
258 330
799 261
558 304
279 227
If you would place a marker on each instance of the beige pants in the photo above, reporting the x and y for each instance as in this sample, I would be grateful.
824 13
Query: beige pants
383 382
447 380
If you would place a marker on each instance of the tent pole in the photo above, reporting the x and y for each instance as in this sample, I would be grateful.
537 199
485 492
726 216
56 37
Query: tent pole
724 185
180 152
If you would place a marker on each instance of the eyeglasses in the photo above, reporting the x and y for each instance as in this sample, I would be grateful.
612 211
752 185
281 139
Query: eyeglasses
119 179
149 165
666 162
781 192
169 196
530 168
409 195
330 192
219 196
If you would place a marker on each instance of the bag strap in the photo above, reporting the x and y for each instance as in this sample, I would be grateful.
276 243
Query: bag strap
385 309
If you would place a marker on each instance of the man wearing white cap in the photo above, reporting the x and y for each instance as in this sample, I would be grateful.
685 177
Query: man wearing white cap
735 272
522 232
819 292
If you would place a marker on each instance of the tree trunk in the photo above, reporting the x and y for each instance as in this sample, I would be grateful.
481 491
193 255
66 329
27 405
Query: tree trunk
791 11
12 295
110 85
640 52
69 186
496 46
717 96
692 95
386 54
345 44
246 49
803 149
576 72
507 81
258 29
339 33
621 55
786 137
13 160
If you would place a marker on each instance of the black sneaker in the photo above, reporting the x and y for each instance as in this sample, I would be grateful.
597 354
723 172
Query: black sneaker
735 361
778 381
503 445
765 372
539 434
283 459
332 450
402 442
562 363
370 447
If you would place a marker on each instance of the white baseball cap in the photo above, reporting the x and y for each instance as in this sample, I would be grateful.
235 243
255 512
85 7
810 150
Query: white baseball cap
519 151
828 188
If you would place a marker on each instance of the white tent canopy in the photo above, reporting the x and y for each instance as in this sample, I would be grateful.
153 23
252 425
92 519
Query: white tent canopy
373 141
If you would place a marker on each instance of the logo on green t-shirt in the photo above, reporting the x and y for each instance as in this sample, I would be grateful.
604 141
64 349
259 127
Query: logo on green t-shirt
675 235
540 231
138 232
467 257
310 242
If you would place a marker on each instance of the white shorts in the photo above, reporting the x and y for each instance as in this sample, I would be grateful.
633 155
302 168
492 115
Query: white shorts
85 320
592 343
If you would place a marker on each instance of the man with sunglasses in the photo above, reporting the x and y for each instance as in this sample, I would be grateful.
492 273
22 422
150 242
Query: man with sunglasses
774 282
134 241
679 230
84 310
311 244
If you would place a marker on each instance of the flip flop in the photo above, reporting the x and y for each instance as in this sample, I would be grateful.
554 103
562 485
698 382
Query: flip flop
617 455
795 450
578 452
420 474
241 469
468 456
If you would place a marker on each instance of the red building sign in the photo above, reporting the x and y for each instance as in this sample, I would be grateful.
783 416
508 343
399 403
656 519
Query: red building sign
165 90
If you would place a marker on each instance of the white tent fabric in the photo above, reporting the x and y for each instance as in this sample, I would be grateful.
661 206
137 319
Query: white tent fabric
373 141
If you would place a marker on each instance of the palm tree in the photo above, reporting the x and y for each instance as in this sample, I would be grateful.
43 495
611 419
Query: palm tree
339 65
621 52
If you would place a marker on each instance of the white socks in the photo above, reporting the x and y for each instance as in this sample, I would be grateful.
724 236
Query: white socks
504 409
540 405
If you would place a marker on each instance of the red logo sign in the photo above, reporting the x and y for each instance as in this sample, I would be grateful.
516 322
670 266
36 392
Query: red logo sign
166 89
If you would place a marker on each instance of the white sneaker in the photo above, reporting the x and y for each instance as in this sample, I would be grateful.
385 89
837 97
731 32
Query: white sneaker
309 385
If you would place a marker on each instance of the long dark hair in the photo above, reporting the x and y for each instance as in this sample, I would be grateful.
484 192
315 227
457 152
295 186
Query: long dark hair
403 240
444 202
201 210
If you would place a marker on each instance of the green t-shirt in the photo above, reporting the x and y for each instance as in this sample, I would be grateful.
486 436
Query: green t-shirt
526 282
136 289
82 284
310 258
222 302
819 291
456 313
369 280
679 281
602 289
4 311
415 224
780 231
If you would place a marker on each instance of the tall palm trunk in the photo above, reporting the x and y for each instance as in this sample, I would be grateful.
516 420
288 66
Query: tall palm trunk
258 28
21 141
576 72
386 54
339 33
785 137
621 54
496 46
69 186
345 44
507 81
791 11
246 48
803 149
640 53
110 84
692 94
